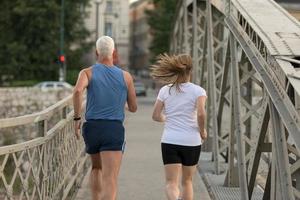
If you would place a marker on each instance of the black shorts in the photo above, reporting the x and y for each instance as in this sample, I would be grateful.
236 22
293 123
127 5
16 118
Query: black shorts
186 155
103 135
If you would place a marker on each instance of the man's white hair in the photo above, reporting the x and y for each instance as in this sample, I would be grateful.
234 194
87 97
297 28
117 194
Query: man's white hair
105 46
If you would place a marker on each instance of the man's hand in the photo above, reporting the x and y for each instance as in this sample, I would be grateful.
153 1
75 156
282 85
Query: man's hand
203 134
77 125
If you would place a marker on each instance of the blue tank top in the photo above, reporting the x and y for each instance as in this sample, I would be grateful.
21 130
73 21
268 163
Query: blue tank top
106 94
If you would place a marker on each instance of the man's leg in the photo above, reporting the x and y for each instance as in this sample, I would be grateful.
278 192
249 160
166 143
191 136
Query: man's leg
172 180
95 176
111 162
187 182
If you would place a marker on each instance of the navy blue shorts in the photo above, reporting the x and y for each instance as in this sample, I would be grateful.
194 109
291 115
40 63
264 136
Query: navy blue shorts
103 135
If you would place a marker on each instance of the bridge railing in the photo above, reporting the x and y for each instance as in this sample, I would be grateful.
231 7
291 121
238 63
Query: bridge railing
52 165
246 55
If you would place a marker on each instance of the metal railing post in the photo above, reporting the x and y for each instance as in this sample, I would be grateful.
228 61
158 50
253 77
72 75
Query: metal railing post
237 120
212 83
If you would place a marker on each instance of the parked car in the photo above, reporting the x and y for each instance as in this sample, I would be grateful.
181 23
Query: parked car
140 88
53 85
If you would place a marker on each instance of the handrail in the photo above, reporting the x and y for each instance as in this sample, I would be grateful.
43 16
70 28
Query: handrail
50 166
36 141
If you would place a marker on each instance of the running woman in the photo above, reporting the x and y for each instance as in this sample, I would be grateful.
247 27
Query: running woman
108 89
181 106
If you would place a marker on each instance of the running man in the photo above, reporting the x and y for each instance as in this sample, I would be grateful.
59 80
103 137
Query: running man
181 106
108 89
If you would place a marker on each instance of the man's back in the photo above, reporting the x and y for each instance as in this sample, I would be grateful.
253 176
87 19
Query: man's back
106 93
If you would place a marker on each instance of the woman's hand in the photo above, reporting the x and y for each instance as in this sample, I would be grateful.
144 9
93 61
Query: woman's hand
77 125
203 134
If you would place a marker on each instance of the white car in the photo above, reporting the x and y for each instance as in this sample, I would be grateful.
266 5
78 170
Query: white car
53 85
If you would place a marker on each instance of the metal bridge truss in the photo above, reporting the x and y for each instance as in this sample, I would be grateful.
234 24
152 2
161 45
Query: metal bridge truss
245 55
50 166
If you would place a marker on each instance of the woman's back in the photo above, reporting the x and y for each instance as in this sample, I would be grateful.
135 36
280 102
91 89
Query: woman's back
181 125
183 104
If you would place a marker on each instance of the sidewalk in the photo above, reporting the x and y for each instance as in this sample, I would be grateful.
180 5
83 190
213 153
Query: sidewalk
142 173
215 183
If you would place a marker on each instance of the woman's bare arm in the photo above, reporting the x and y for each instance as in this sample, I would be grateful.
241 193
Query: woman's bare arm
201 115
157 112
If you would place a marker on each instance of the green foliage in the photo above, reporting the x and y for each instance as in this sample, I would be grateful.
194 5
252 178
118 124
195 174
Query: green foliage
160 21
30 36
72 76
23 83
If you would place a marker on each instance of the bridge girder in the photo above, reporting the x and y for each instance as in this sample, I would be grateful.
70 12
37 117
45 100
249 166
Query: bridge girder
253 111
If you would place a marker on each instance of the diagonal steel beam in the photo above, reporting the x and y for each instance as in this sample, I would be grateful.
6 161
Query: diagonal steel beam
280 99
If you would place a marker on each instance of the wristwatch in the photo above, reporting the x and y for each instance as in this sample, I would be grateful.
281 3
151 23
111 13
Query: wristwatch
76 118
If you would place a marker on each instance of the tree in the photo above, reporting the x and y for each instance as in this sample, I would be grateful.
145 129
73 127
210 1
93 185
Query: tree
29 37
161 20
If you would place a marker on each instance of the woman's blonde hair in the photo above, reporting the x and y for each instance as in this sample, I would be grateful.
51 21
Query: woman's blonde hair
172 69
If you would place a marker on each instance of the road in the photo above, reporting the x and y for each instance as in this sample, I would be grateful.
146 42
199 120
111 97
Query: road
142 173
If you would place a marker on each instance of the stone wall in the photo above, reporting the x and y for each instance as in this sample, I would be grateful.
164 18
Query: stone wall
21 101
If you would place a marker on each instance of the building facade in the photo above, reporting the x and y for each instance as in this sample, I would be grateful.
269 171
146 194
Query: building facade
111 17
140 37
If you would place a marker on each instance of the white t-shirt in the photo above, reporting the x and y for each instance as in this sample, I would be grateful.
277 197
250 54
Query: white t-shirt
180 109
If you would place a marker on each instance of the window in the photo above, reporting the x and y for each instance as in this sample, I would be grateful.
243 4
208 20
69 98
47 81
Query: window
109 7
59 85
49 85
108 29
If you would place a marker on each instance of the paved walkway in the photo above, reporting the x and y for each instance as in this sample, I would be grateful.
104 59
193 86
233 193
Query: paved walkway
142 175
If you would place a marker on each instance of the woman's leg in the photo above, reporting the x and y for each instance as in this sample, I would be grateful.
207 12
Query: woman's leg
172 180
95 176
187 182
111 162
